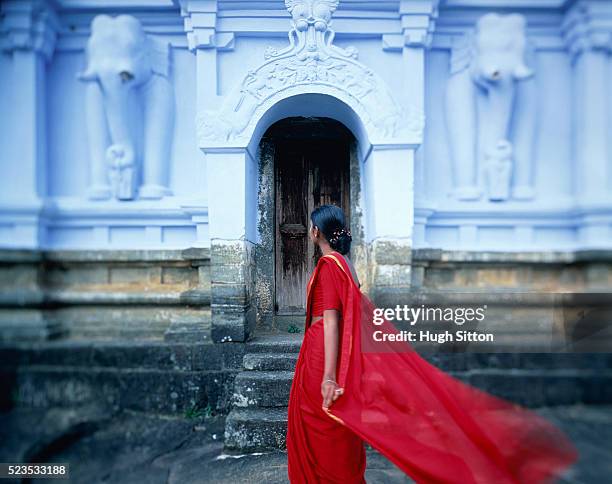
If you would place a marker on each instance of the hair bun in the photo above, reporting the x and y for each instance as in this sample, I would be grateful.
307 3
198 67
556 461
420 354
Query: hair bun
341 240
331 221
338 233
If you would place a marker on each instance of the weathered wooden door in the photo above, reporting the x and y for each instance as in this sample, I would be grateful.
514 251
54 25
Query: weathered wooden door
309 173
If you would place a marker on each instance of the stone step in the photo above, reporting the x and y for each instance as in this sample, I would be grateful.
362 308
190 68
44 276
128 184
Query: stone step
147 390
280 360
255 429
275 343
286 323
153 354
530 387
265 429
147 376
262 388
452 362
260 422
269 361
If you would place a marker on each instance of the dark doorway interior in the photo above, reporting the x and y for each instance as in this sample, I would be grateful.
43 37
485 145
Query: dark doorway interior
311 168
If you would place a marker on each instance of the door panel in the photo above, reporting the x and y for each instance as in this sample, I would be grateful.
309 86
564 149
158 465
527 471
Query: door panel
328 182
309 173
291 228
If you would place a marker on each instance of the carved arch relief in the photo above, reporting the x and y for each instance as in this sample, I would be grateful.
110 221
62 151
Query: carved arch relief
309 64
130 110
491 110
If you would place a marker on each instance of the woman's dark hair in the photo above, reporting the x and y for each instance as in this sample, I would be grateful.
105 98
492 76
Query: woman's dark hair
331 222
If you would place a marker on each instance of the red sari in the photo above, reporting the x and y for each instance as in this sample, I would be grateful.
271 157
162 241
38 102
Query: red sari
434 427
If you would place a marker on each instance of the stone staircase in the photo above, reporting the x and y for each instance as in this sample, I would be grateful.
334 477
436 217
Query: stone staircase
252 380
258 418
156 377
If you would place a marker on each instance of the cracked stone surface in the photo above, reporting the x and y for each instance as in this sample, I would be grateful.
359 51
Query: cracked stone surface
139 448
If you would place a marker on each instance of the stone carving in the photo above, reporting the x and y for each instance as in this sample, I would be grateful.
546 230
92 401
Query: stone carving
309 60
490 104
130 110
311 12
498 169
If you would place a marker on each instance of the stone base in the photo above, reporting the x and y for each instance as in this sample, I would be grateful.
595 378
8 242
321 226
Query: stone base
390 266
104 294
144 376
189 328
28 325
232 290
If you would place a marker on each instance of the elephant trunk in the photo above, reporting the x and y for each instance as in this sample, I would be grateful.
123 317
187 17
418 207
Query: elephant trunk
501 101
119 97
118 101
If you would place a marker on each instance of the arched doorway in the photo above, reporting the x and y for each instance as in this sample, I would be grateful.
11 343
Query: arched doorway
304 162
241 210
309 77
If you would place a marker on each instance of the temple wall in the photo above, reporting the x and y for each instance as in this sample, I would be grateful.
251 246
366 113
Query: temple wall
210 46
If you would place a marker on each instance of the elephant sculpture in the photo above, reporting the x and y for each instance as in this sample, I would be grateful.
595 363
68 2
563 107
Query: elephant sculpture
490 110
130 110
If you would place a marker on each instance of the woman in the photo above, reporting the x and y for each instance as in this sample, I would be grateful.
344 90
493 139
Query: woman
348 388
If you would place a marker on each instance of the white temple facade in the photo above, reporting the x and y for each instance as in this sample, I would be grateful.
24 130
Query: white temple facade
478 124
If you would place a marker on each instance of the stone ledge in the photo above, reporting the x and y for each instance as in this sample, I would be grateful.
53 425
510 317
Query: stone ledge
154 255
141 389
536 257
11 256
72 297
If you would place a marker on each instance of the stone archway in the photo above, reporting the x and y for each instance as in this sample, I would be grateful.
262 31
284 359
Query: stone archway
311 63
337 85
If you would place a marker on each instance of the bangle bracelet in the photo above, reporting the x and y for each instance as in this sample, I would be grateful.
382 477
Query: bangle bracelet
332 381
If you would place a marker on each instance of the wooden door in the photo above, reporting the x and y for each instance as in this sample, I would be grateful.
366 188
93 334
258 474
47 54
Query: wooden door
309 173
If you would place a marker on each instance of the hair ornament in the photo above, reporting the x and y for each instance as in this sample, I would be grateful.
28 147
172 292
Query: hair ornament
338 233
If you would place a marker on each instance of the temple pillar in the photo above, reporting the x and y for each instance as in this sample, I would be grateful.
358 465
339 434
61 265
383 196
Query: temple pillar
390 173
232 210
389 194
587 30
30 28
200 25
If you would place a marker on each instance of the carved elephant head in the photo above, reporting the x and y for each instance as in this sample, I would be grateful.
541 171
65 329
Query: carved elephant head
499 49
119 52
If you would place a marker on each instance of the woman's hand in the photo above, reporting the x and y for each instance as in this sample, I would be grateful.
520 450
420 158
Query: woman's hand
330 391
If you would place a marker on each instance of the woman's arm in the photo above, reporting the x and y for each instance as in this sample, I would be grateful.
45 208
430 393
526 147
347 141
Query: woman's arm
331 319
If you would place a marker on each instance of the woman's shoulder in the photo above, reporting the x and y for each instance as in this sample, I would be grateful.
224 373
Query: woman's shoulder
325 264
335 259
331 259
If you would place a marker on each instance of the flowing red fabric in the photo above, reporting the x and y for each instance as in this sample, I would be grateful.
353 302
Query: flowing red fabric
434 427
